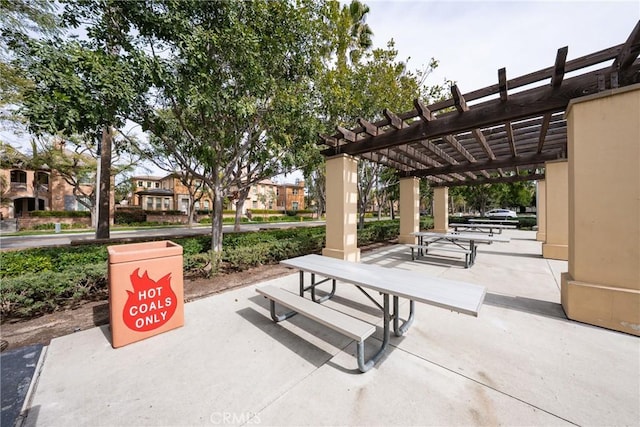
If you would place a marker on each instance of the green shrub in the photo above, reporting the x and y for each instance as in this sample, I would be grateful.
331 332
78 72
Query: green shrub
378 231
34 294
426 223
129 216
458 220
527 222
15 263
38 281
60 214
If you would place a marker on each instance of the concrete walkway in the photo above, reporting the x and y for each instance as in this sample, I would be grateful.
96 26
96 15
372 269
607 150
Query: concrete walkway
521 362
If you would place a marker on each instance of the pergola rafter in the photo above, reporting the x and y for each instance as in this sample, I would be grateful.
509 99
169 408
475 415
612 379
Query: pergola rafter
455 142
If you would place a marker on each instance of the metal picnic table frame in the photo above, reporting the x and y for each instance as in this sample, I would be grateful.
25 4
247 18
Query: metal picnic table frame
426 237
482 228
435 291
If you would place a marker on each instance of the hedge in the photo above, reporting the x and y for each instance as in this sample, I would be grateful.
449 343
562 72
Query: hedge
39 281
60 214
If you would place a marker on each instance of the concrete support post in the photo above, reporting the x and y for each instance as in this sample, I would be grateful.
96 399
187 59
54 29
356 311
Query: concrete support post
409 209
602 286
541 206
556 245
342 208
441 209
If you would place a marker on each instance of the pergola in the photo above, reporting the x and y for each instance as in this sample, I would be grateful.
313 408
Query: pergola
573 127
506 136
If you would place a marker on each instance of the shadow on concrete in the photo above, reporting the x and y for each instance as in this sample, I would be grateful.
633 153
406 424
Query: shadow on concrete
101 314
520 255
314 355
18 367
527 305
401 258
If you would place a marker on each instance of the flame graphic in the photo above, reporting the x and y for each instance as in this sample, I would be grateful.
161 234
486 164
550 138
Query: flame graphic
151 303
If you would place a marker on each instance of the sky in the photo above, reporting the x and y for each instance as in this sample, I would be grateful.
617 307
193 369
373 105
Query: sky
473 39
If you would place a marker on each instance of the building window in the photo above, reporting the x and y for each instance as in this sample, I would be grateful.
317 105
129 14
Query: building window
157 185
196 205
294 206
139 183
158 203
148 183
18 177
206 205
83 206
149 203
167 203
295 191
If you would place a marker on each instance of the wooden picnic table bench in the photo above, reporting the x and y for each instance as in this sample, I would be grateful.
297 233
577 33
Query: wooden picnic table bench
397 283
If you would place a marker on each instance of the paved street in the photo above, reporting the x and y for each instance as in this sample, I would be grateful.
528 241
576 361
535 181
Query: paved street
23 242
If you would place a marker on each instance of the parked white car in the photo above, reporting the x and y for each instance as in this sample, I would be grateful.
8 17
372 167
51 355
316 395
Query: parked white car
501 213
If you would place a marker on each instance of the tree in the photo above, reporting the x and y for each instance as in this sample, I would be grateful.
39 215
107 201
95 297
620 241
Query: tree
480 196
236 78
514 194
17 19
85 87
387 190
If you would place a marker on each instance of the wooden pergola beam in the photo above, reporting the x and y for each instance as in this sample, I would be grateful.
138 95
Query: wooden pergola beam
527 79
503 85
559 67
462 107
369 128
394 120
519 106
496 180
347 134
629 51
487 165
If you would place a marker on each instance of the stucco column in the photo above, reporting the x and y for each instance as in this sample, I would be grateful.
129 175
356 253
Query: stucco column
556 245
602 286
541 207
409 209
342 208
441 209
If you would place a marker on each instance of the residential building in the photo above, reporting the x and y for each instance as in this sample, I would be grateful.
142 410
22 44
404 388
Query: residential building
168 193
155 193
25 189
291 196
263 195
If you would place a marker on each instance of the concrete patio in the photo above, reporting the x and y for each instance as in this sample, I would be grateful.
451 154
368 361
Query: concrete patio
521 362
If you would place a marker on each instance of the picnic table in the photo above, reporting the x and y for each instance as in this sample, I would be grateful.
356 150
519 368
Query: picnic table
391 283
454 243
481 228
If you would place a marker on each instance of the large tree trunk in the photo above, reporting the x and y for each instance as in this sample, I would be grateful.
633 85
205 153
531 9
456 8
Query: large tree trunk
192 212
102 229
216 229
242 197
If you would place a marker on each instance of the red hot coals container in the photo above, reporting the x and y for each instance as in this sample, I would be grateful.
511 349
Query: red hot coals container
145 290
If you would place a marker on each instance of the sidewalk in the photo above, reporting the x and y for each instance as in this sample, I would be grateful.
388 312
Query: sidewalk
521 362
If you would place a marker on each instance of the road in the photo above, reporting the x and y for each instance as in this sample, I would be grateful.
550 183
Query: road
41 240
